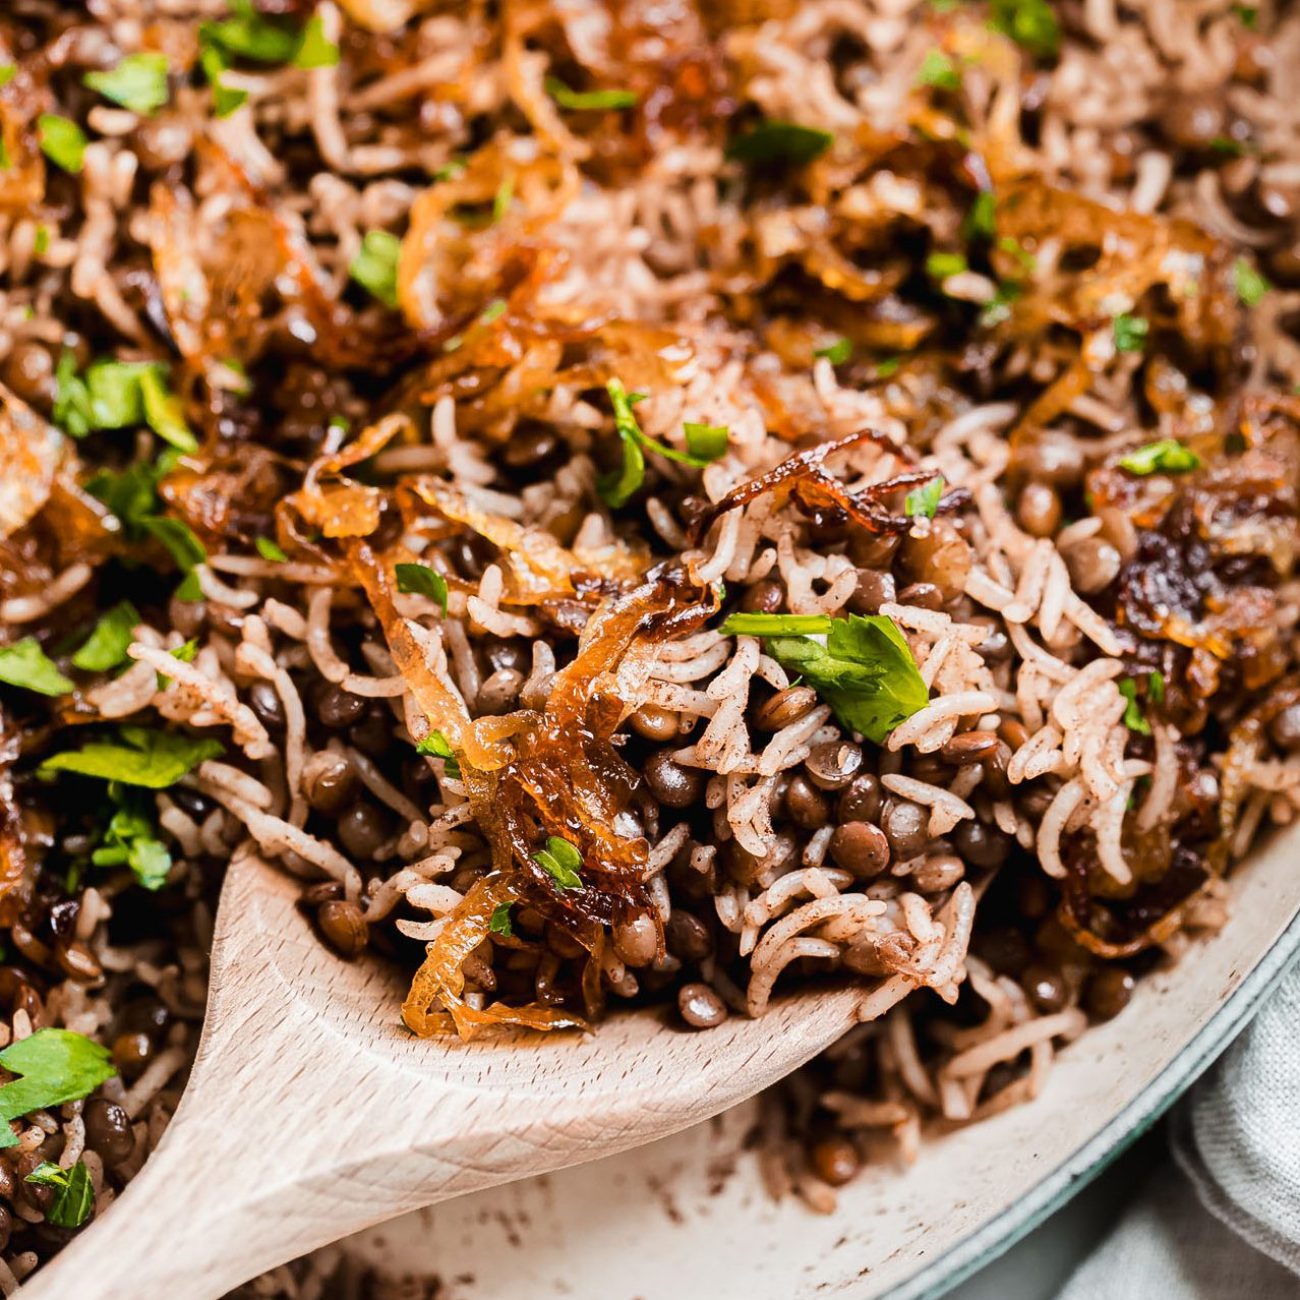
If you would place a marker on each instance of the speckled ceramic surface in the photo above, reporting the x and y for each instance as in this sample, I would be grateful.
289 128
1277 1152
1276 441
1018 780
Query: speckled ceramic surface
687 1216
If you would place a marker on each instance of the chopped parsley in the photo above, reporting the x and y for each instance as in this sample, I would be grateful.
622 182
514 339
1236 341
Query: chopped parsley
1250 283
74 1198
141 756
436 745
503 198
248 35
1156 686
25 664
618 487
138 83
941 265
922 502
578 101
8 71
55 1065
375 266
106 646
781 144
864 671
130 839
316 50
837 353
1130 332
1248 16
421 580
1133 718
269 549
706 441
561 861
938 70
500 922
887 367
63 142
225 99
41 244
1167 456
981 222
118 395
1030 23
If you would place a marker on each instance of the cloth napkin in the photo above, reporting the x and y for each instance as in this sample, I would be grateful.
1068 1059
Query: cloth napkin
1222 1217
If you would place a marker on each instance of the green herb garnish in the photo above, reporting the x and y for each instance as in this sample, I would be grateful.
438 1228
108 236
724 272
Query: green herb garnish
836 353
269 549
942 265
706 442
1156 686
618 487
780 143
421 580
248 35
938 70
503 198
143 756
981 222
578 101
1165 457
561 861
225 99
8 71
41 244
118 395
138 83
131 840
75 1197
316 50
922 502
1130 332
375 265
1250 284
106 646
1030 23
887 367
776 624
436 745
500 922
1133 718
25 664
63 142
864 671
55 1065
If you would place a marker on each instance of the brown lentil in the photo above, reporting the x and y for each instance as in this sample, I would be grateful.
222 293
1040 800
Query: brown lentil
805 805
785 707
873 590
687 936
835 1161
700 1006
343 926
860 801
860 848
1046 988
364 828
938 872
1093 564
338 708
1108 992
1038 509
636 941
328 781
108 1130
831 766
655 723
907 826
970 747
673 784
765 597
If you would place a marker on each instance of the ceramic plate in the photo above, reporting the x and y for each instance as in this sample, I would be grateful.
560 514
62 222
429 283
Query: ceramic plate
688 1216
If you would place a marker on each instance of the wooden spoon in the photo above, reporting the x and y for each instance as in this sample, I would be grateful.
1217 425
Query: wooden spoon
311 1113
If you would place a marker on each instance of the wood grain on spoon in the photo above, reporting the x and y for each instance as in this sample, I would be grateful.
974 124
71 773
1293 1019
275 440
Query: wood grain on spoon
311 1113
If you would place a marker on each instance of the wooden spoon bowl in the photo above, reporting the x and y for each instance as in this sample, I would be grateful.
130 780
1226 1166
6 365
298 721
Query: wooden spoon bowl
312 1113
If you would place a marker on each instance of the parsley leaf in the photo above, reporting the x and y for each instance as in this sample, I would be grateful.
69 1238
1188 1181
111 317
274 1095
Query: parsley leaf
105 647
780 143
982 219
618 487
225 99
269 549
436 745
706 441
138 83
248 35
421 580
776 624
41 244
1167 456
1030 23
117 395
8 71
143 756
922 502
130 839
503 198
1133 718
25 664
940 265
938 70
836 353
865 671
63 142
375 265
588 100
75 1197
1130 332
1156 686
316 50
500 922
561 861
56 1065
1250 284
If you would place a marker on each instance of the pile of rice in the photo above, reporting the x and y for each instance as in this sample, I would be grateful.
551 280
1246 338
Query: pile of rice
550 245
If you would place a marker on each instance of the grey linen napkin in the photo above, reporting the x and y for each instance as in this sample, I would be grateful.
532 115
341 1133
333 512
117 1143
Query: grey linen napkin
1223 1218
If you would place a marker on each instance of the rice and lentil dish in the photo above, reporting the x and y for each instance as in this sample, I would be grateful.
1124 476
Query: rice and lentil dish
643 502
